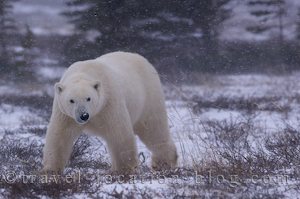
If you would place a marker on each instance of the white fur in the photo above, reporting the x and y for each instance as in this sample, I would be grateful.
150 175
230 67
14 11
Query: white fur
128 100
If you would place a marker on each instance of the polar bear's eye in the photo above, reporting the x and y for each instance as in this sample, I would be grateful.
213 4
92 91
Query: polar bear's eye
72 101
88 99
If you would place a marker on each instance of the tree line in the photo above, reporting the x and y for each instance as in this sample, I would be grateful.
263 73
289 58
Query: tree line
175 34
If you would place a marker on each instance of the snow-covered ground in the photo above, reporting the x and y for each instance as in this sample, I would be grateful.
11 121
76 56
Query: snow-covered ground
250 108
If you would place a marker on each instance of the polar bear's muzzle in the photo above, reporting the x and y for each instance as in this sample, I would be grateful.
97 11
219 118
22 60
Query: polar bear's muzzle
82 116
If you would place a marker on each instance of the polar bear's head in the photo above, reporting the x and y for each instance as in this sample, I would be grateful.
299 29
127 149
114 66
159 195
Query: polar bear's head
79 100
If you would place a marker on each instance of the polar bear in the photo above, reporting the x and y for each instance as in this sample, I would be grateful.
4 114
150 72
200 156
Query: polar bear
116 97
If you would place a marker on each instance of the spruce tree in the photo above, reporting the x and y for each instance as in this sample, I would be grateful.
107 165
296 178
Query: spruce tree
28 42
109 18
269 15
134 24
298 26
7 27
208 16
115 21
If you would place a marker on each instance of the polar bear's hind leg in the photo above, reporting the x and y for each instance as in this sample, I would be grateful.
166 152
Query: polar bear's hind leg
154 133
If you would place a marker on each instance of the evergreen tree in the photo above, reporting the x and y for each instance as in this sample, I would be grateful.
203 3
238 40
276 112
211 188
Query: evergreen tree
28 42
29 39
269 14
208 16
135 24
298 25
117 22
112 19
7 27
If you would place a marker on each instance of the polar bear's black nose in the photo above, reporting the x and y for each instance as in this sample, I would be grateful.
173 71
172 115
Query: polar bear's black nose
84 116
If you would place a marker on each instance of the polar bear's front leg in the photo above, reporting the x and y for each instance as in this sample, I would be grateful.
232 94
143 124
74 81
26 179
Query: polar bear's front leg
121 142
60 137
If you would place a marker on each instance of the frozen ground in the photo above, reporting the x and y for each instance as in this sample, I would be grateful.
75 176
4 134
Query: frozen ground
241 126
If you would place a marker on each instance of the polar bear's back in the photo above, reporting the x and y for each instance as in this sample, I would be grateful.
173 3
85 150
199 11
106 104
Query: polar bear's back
139 81
127 61
131 67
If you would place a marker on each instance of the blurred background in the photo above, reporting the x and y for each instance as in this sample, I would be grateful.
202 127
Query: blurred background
177 36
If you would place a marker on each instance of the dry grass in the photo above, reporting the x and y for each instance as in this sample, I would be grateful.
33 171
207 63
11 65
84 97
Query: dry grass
232 155
236 151
40 104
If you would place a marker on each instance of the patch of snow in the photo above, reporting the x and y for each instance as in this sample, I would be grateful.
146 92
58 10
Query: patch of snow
35 13
92 35
19 91
50 73
12 117
8 90
216 114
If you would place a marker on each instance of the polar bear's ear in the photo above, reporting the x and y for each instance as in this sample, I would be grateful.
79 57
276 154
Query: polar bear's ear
58 88
96 85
